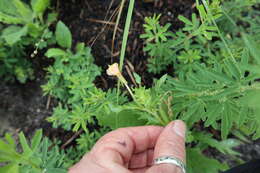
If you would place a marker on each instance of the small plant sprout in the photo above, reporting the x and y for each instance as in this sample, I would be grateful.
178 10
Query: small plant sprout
113 70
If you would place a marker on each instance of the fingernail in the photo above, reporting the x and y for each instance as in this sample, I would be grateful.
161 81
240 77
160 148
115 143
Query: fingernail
179 128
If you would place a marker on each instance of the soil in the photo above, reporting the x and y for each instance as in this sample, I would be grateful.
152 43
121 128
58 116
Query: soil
23 107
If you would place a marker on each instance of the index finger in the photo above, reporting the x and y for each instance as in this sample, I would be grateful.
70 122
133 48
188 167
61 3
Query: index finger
119 145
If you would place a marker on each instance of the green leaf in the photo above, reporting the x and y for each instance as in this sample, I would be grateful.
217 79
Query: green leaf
224 146
13 34
10 140
159 83
23 10
190 115
226 122
55 52
251 99
5 147
123 118
198 163
63 35
222 77
137 78
251 45
213 112
8 19
232 68
52 17
184 20
10 168
36 140
34 30
7 7
26 148
39 6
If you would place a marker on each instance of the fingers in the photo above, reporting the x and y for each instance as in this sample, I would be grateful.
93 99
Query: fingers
141 160
171 142
88 164
114 150
119 146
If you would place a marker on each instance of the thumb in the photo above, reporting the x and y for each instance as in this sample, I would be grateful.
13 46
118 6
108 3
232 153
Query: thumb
171 142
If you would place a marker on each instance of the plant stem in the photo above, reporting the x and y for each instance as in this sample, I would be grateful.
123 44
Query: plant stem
126 32
125 37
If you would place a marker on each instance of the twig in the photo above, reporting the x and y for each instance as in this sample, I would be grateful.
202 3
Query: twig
101 21
103 29
120 9
72 138
130 65
48 102
130 74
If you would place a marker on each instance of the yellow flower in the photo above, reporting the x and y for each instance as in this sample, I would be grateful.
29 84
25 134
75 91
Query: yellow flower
113 70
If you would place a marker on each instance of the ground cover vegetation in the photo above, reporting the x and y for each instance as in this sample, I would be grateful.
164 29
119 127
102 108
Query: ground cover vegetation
214 87
23 26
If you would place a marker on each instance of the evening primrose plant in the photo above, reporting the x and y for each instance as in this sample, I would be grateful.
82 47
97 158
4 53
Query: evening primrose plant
213 88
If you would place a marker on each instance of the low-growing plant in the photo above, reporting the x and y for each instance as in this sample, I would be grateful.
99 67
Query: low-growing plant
70 79
24 27
215 80
37 156
214 86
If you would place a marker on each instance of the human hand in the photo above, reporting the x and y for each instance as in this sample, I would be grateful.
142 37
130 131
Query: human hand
133 150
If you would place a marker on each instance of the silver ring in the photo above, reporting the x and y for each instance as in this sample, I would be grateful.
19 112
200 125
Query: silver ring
171 160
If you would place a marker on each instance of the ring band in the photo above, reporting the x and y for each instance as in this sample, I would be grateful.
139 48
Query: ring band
171 160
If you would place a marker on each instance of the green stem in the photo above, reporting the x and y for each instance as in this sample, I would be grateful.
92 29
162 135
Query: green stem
125 38
219 33
126 32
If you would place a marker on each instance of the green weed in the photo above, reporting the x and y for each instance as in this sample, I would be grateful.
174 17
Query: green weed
24 26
